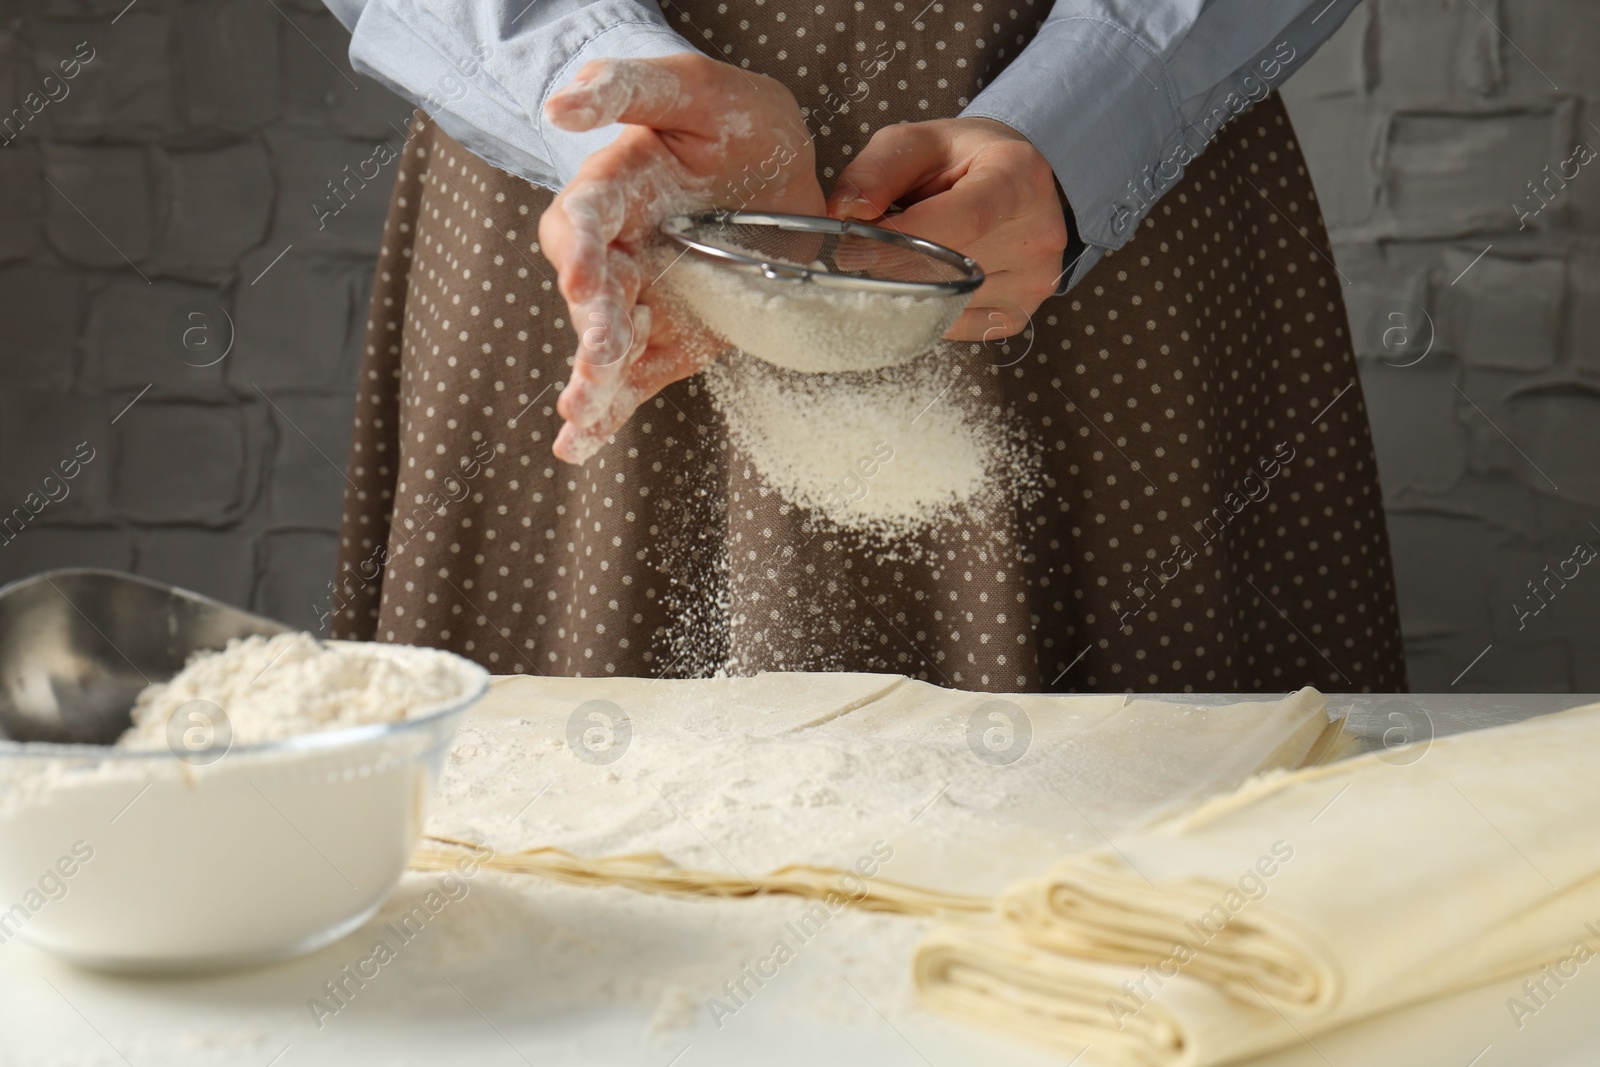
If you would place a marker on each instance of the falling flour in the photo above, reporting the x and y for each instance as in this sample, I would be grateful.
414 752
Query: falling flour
847 404
271 688
889 453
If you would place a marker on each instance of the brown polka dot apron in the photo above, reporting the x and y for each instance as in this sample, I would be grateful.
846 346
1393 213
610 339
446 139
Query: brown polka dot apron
1202 511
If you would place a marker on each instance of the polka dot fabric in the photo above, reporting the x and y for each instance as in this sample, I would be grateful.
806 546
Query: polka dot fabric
1207 514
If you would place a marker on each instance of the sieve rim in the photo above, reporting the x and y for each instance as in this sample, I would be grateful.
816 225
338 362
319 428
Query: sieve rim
676 229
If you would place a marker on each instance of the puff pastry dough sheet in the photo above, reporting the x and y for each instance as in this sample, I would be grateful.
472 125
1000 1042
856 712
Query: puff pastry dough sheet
1297 903
900 767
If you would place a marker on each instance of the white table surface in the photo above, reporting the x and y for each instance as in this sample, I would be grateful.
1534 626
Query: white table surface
53 1015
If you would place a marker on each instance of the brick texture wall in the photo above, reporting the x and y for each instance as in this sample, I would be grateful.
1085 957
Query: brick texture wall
159 206
1476 322
161 210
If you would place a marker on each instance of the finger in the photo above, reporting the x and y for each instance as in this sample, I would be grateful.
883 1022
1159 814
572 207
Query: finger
617 195
970 209
594 411
668 93
678 348
587 219
578 441
896 160
885 259
577 444
597 195
988 323
610 330
588 395
643 92
1025 284
605 324
649 376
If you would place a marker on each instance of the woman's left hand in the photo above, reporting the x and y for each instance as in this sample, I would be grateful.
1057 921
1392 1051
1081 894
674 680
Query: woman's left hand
975 185
698 133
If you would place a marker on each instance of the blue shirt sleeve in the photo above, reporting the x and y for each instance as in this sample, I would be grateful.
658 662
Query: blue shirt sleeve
484 69
1120 94
1117 94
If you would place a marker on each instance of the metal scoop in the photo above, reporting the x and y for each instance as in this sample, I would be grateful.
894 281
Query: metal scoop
77 646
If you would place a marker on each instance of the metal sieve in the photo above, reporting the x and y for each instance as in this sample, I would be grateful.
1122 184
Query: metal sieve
886 296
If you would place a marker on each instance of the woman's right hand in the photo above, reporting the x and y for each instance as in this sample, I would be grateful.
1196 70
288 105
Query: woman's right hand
700 134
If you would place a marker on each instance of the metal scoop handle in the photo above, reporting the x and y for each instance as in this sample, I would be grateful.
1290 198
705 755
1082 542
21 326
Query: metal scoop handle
77 645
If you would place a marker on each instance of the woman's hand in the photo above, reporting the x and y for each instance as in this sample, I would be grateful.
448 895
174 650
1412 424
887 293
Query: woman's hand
975 185
700 134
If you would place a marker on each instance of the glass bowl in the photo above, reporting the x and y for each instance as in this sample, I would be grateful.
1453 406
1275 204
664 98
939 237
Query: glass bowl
152 861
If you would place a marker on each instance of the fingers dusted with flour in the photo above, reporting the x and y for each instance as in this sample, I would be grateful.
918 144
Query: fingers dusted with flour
679 347
639 91
612 198
975 185
694 130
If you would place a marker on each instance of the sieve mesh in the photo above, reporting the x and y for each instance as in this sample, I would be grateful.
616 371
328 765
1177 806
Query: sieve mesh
848 254
828 252
886 296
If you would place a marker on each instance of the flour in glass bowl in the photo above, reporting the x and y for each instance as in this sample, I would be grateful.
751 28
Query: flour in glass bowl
199 863
271 688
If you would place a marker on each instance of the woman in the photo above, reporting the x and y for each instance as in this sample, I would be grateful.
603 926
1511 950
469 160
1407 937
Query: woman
1200 509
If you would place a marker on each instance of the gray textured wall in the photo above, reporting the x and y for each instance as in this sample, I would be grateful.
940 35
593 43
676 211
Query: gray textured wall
1423 122
181 163
177 175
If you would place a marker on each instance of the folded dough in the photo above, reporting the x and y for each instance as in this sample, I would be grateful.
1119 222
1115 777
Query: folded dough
651 872
985 974
1301 901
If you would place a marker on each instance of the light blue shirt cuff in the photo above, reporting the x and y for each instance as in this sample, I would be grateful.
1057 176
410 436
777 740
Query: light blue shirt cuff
581 40
484 71
1097 104
1119 118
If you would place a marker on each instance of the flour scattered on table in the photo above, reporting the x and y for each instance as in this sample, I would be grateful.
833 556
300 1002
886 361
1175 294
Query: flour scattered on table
709 797
275 687
746 775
